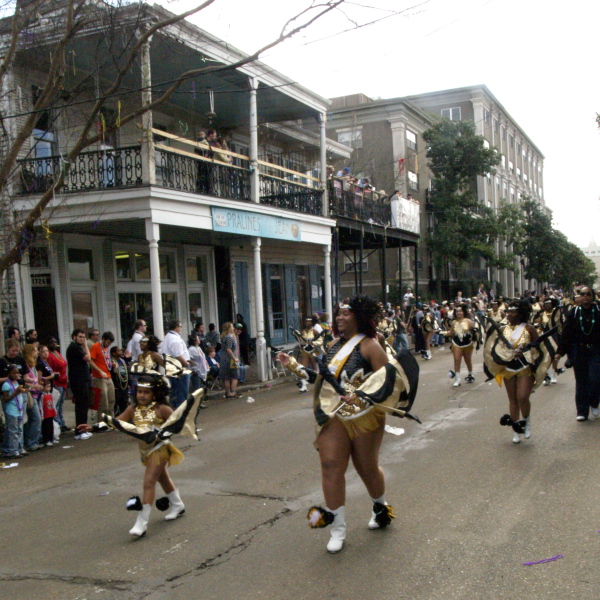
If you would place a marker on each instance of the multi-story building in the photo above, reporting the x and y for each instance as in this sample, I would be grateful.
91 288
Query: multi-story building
151 224
592 251
519 174
385 136
387 148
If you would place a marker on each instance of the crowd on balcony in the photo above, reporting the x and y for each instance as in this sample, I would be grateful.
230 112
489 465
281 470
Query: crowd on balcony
210 145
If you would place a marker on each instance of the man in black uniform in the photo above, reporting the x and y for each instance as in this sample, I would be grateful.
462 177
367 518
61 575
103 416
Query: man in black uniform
78 360
581 338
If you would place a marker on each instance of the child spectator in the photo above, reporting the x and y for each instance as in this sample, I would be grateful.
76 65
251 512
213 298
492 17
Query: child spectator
49 412
14 401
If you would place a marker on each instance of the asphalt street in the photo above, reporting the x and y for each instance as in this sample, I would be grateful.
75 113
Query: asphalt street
472 507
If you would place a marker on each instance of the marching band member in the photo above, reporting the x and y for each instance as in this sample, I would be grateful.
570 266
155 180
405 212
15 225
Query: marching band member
352 394
462 331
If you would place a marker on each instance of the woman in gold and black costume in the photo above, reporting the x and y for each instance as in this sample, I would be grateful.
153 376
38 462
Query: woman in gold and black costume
462 331
512 356
351 425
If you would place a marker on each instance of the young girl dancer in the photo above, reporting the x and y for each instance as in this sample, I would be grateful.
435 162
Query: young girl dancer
152 421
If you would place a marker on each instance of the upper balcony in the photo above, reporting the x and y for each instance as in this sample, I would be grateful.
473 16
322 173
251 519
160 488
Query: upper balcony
205 174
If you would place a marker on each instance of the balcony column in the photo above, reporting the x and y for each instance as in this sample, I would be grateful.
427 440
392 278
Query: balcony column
253 150
261 344
328 295
148 151
153 236
323 149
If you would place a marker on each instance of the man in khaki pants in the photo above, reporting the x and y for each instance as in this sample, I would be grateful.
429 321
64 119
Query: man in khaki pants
101 364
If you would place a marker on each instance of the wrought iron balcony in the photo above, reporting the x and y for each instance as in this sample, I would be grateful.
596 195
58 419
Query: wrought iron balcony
353 202
95 170
288 195
187 174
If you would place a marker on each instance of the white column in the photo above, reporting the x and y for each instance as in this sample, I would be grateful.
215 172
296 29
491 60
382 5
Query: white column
261 344
253 150
323 149
153 236
328 299
148 151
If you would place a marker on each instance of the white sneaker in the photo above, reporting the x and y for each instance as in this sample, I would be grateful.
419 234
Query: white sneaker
595 411
516 438
86 435
456 382
553 379
49 444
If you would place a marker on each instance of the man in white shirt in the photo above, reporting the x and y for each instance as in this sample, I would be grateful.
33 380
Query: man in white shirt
408 297
133 347
174 346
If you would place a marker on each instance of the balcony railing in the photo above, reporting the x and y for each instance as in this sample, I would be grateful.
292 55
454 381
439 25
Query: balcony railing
96 170
353 202
291 196
188 174
178 169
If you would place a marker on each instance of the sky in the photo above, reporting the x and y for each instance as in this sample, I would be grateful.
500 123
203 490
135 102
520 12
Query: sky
538 58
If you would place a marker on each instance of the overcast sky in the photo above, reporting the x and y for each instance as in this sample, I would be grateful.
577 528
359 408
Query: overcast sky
539 58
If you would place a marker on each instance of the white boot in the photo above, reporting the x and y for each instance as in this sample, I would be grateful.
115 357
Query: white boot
516 438
428 355
303 386
527 427
177 507
456 381
141 523
338 531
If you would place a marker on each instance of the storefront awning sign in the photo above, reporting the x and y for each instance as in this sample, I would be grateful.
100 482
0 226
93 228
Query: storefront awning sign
249 223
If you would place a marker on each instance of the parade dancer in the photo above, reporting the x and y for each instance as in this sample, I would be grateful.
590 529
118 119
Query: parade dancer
546 319
152 421
514 354
461 331
429 326
352 395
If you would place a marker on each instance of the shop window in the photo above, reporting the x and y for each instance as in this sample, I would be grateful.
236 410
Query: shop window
135 266
81 264
134 306
123 264
196 268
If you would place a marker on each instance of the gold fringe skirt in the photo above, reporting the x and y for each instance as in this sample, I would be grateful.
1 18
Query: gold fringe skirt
167 454
506 374
371 421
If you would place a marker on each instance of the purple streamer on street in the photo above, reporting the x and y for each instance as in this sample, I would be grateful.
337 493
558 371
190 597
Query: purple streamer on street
544 560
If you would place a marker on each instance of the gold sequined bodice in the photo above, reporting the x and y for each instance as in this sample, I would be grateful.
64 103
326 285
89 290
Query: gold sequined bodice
523 340
145 416
460 328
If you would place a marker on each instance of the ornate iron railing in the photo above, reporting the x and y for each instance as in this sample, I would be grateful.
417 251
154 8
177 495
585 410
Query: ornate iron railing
96 170
211 178
290 196
353 202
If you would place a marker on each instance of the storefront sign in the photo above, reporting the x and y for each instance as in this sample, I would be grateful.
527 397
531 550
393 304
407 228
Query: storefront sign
259 225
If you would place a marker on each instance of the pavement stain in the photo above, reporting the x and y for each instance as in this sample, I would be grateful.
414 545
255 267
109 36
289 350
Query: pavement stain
112 584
